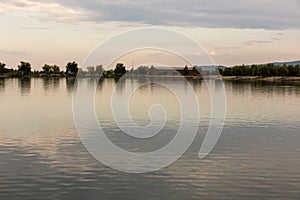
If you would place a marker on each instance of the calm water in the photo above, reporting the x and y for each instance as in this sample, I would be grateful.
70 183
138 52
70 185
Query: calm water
42 157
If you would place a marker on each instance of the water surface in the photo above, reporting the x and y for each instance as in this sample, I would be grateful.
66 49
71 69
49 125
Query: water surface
42 157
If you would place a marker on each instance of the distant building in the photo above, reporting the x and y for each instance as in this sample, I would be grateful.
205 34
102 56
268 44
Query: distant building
173 71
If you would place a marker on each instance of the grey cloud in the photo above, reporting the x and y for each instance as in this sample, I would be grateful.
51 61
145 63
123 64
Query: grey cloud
267 14
255 42
228 47
36 28
275 38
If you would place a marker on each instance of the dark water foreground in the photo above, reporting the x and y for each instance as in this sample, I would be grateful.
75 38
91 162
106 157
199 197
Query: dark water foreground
42 157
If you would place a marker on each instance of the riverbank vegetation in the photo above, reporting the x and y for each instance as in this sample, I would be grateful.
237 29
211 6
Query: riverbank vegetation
72 69
267 70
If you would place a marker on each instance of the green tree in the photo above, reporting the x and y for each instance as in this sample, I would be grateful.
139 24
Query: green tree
72 68
237 71
227 71
55 69
142 70
221 71
254 70
264 71
46 69
109 74
186 70
282 71
297 70
99 69
51 69
272 69
2 68
80 72
120 69
24 68
292 71
91 70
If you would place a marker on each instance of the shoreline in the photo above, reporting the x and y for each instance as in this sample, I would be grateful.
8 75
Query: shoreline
224 78
256 78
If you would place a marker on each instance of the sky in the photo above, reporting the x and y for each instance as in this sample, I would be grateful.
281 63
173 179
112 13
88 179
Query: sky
232 31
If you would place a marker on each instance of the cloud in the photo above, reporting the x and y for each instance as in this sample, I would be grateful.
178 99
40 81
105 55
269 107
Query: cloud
255 42
14 53
35 28
227 47
267 14
44 10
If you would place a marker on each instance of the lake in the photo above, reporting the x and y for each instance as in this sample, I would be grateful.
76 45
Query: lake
42 156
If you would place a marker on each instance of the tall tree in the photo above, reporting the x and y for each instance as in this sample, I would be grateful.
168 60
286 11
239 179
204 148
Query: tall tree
91 70
46 68
264 71
186 70
297 70
99 69
25 68
72 67
2 68
120 69
282 71
55 69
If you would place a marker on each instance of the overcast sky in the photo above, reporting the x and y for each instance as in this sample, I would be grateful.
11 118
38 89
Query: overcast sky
232 31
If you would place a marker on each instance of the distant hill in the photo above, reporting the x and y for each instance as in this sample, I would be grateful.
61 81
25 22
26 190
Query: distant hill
294 63
212 67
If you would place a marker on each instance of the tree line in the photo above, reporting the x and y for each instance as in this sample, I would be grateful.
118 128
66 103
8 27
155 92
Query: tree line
72 69
24 69
266 70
